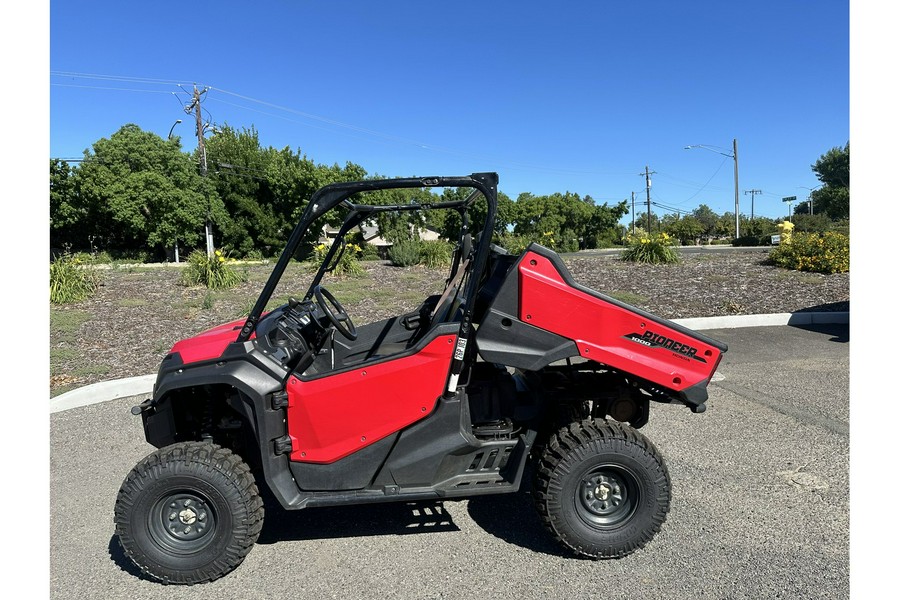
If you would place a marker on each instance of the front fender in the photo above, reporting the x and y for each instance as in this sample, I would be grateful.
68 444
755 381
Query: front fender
256 379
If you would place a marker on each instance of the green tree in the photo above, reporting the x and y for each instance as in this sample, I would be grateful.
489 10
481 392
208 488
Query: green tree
725 225
238 167
833 170
142 191
68 215
833 167
806 223
651 225
687 229
832 201
708 220
565 222
448 222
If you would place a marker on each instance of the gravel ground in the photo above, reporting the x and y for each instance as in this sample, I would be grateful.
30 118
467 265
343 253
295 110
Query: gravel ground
138 313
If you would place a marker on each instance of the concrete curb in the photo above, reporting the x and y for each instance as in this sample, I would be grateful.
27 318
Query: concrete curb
141 387
104 391
770 320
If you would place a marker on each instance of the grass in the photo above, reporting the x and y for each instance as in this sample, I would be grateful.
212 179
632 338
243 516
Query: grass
627 297
64 324
89 370
60 356
132 302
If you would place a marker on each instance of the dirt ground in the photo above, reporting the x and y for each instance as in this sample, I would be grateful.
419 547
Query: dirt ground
139 312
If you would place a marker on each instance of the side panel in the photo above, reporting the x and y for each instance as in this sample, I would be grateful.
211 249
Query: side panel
608 332
334 416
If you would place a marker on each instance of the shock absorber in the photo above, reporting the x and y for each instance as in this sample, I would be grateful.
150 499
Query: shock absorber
206 426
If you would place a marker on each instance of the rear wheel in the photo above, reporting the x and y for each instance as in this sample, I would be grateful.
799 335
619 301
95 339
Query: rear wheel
602 489
188 513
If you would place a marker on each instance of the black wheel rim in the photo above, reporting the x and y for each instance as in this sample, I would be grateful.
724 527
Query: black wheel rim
607 496
182 522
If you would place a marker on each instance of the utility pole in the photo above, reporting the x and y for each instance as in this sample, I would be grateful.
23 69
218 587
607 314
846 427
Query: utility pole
647 173
632 213
753 194
201 147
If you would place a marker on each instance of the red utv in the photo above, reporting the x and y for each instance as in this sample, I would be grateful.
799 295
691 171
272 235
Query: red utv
513 365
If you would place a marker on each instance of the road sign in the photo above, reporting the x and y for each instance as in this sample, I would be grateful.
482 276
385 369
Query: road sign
789 199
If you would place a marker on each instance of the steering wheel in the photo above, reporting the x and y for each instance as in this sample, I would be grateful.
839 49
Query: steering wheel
335 313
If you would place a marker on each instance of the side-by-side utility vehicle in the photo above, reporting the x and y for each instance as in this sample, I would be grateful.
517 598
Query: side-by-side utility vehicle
515 372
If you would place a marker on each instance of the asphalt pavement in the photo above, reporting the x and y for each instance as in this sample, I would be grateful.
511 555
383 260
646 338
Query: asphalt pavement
760 506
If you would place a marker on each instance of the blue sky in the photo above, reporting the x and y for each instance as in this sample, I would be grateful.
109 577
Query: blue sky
579 98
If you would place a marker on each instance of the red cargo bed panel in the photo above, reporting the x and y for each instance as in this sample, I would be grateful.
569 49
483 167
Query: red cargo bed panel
608 332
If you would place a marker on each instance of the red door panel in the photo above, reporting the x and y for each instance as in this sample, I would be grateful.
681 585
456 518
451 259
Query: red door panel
334 416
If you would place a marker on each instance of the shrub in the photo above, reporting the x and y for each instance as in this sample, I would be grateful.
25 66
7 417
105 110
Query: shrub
512 243
827 252
369 252
435 253
215 273
348 263
70 281
655 249
405 253
94 258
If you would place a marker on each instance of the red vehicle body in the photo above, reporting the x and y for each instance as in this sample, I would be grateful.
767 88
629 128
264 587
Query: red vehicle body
515 368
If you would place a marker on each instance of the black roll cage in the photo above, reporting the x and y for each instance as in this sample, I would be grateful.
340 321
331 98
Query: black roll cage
330 196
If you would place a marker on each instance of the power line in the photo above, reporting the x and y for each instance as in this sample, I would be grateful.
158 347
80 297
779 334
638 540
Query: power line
326 120
97 87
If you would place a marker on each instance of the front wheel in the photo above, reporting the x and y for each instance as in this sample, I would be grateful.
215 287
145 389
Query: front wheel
188 513
602 489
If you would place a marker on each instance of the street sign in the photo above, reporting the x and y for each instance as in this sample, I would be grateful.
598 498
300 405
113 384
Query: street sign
789 199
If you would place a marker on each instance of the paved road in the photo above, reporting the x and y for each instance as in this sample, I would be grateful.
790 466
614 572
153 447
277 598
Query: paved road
759 510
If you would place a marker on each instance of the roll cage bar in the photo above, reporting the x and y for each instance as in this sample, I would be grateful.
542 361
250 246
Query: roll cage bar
330 196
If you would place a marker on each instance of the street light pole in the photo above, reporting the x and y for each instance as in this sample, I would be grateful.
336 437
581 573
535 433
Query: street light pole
737 205
169 137
809 195
171 129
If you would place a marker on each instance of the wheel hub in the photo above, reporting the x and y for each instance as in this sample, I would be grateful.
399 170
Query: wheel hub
602 494
604 499
183 518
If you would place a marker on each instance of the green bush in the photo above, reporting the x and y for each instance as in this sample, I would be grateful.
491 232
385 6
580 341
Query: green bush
752 240
827 252
348 263
94 258
512 243
654 249
405 254
435 253
70 281
369 252
215 273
